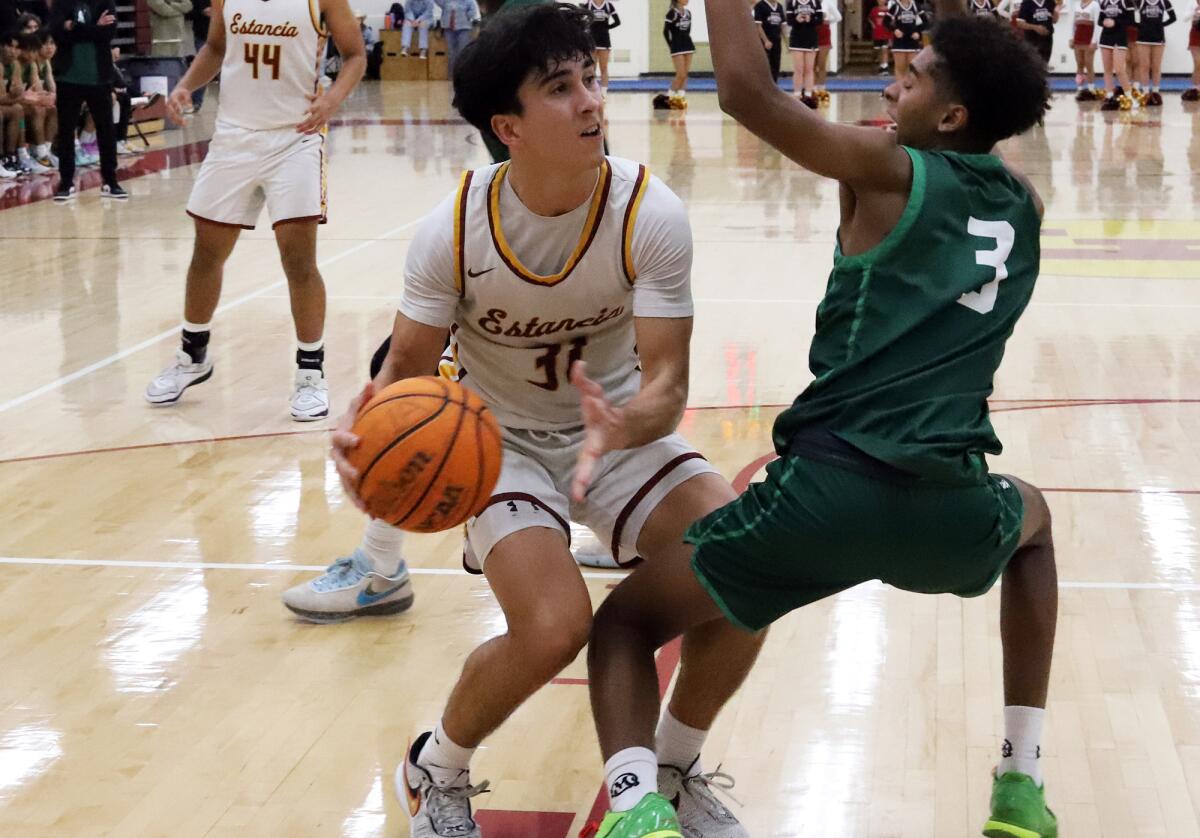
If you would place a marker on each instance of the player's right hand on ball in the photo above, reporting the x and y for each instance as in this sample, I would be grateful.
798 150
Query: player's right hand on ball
342 441
179 99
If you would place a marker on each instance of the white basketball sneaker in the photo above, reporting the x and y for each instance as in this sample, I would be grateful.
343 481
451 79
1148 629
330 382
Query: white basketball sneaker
701 814
435 811
350 588
168 385
310 399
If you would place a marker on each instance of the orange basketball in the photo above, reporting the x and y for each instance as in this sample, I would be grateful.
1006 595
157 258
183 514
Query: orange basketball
428 456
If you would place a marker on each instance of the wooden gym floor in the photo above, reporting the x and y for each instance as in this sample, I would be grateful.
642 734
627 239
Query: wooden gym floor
154 685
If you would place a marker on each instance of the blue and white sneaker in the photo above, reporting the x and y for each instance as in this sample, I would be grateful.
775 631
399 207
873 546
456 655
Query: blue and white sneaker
350 588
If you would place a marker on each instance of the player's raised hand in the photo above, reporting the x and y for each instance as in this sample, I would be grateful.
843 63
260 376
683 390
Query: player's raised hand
342 441
178 102
320 107
601 421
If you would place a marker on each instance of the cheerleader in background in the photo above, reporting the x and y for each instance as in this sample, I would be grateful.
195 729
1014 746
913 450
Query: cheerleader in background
1008 10
1192 16
604 20
1114 48
677 29
832 14
804 16
1085 35
982 8
880 34
906 22
770 17
1154 16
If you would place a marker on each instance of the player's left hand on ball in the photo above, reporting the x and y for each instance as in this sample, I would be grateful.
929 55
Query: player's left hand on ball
601 423
343 441
320 108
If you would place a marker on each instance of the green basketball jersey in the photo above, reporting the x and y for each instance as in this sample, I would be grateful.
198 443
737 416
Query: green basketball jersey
910 334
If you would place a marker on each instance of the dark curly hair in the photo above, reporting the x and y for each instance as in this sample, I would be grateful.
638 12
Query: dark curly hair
1000 79
512 46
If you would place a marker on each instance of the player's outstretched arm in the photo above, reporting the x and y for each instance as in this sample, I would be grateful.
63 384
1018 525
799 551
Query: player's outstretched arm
204 66
663 345
859 157
347 36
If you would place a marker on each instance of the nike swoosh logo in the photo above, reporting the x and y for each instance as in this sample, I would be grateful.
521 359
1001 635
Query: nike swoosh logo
474 274
367 597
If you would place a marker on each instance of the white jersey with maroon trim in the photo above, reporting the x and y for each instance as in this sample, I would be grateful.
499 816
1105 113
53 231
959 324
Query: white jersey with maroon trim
273 54
624 253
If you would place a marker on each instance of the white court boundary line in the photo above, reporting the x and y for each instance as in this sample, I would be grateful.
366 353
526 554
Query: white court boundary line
444 571
125 353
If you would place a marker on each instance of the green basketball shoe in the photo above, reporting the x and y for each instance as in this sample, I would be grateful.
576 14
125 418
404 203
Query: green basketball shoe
653 817
1019 809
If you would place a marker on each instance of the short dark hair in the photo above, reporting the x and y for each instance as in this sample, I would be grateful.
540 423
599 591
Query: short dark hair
29 41
513 45
25 19
1000 79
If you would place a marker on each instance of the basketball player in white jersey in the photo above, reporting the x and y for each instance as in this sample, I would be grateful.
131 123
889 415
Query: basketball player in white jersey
269 147
560 256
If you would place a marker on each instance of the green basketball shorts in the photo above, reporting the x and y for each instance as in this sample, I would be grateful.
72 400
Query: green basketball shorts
812 529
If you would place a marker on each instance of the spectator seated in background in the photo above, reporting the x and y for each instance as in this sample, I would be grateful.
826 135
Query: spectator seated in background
38 107
373 45
11 112
419 16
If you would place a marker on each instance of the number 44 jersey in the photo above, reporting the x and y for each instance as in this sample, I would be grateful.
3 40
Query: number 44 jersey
528 295
273 55
910 334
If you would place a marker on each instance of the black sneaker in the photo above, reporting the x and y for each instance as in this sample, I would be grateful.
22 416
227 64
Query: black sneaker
64 194
113 191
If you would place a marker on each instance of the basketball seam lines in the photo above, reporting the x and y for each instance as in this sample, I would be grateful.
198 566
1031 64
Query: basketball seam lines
462 414
398 440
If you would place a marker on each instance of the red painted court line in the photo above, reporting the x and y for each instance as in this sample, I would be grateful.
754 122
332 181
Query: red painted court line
62 454
577 682
42 188
740 482
668 659
501 823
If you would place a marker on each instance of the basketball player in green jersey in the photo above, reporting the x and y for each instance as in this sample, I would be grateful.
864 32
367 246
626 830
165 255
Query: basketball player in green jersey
882 471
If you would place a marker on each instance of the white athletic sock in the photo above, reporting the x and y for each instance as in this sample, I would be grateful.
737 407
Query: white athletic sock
630 775
43 149
315 346
678 745
381 543
1022 742
189 326
448 763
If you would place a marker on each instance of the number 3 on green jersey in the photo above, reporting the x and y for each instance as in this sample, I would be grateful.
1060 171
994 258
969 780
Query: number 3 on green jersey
984 300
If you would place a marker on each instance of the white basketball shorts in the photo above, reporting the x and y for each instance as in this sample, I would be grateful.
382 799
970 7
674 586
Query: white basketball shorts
534 490
246 168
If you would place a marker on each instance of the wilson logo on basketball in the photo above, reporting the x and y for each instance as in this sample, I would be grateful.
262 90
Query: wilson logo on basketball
428 455
446 508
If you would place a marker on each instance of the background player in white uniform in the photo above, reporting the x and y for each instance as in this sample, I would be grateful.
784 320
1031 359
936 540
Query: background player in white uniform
563 255
269 146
